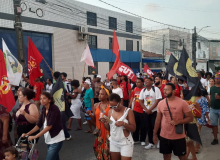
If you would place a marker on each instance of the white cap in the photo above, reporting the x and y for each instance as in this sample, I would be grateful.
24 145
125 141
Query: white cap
88 82
98 76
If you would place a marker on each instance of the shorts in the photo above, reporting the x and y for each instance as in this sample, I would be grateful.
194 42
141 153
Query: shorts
125 150
177 146
214 116
87 117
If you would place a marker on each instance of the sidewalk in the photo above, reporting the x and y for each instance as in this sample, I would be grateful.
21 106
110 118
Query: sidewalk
207 152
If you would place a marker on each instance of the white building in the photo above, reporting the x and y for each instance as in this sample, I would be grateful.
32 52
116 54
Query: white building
56 27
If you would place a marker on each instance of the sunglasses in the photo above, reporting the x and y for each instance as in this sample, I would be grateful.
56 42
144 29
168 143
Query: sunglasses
114 107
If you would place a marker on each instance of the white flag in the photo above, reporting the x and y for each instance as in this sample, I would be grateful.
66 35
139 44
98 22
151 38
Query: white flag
14 68
210 70
87 57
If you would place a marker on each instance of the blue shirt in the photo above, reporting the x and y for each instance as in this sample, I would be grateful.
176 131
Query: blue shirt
87 98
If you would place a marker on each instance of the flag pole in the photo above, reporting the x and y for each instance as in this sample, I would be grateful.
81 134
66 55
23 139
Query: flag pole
84 69
47 64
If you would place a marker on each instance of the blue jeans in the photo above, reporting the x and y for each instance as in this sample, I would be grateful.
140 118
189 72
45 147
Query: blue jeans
214 116
67 135
53 151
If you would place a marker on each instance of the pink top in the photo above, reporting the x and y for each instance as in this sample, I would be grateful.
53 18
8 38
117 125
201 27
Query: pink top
178 108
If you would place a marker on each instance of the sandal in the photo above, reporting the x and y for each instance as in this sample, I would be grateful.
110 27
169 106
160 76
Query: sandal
88 131
78 129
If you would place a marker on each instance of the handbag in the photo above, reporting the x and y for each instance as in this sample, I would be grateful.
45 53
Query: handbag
179 127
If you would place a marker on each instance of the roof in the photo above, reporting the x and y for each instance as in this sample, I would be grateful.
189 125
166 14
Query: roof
150 54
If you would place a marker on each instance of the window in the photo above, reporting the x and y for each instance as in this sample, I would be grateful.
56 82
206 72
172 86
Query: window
173 44
111 64
90 69
112 23
137 45
129 26
92 42
129 45
110 42
91 19
199 45
153 65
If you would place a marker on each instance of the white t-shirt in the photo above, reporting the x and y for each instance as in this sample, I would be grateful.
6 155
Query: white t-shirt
150 97
49 88
118 91
204 82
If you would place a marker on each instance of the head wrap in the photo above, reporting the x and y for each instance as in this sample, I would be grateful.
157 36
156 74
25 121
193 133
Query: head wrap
88 82
106 90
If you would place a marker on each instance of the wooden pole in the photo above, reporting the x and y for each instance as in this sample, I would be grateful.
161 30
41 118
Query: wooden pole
47 64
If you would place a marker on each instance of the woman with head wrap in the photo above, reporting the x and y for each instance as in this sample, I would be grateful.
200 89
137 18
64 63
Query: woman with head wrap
101 146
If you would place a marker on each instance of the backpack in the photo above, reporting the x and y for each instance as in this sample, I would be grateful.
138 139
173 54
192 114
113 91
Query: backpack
153 88
10 123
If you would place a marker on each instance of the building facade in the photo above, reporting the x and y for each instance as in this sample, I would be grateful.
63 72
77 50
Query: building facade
166 41
61 30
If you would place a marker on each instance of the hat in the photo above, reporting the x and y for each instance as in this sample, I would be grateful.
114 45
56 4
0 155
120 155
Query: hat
98 76
93 71
88 82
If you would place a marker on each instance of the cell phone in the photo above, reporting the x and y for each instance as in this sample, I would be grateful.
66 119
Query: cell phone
109 121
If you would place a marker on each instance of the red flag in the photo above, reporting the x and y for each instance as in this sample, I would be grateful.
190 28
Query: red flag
125 70
34 59
6 95
147 70
116 51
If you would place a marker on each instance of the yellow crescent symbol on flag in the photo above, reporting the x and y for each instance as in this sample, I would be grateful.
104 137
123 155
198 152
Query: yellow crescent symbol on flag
190 69
175 70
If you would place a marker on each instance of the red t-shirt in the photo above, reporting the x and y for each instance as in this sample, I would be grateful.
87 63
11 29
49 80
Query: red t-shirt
178 89
37 89
125 89
135 93
161 90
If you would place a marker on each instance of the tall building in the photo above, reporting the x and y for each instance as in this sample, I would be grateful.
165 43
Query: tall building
60 30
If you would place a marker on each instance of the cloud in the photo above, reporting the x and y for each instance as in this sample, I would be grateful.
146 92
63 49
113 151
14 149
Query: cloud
152 7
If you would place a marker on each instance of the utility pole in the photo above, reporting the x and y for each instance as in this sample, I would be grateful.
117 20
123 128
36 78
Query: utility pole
194 39
163 63
19 34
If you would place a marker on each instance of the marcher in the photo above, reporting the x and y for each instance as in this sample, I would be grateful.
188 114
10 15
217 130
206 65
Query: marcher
140 133
149 99
27 114
170 141
49 85
75 105
215 108
108 84
126 89
101 146
179 89
123 123
98 85
5 140
89 103
50 120
11 153
117 90
202 80
38 89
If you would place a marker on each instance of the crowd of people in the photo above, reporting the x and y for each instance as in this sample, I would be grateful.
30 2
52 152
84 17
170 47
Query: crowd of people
118 112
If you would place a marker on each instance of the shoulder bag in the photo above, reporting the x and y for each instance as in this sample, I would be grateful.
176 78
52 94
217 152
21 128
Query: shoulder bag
179 127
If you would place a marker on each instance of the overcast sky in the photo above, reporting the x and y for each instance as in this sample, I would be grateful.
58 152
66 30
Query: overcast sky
182 13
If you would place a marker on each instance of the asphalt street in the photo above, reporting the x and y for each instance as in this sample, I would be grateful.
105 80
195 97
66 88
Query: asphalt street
80 147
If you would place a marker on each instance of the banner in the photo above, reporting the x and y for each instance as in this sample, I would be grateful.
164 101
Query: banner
125 70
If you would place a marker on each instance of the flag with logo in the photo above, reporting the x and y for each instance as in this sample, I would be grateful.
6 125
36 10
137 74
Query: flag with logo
14 68
116 51
6 95
125 70
185 67
172 69
60 100
34 60
87 57
147 70
190 98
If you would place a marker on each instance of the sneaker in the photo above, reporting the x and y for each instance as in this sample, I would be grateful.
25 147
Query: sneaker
214 142
158 145
143 143
85 122
67 139
150 145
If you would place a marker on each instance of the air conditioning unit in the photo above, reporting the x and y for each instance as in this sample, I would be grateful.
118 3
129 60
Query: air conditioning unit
83 29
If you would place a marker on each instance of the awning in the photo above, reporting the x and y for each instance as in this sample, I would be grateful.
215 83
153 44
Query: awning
152 60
